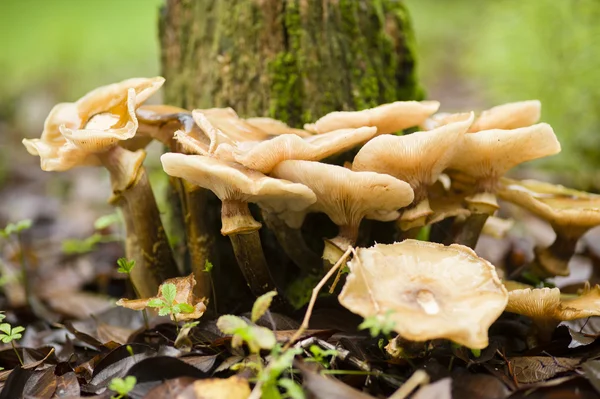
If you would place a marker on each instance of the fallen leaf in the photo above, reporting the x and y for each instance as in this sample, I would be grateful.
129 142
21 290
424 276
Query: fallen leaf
441 389
217 388
529 369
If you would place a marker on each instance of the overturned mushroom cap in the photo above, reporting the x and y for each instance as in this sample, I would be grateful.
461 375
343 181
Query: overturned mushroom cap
417 158
73 132
546 304
209 141
344 195
263 156
184 295
387 118
505 116
566 209
233 182
429 290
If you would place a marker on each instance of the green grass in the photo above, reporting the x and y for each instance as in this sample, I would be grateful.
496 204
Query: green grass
76 45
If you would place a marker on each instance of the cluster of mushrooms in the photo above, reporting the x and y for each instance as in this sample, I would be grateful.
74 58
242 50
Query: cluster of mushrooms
446 177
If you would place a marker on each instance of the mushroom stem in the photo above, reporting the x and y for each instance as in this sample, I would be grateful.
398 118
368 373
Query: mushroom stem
554 260
200 244
242 229
335 247
146 242
292 242
471 230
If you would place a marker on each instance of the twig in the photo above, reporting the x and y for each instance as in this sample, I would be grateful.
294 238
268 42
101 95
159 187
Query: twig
313 298
418 378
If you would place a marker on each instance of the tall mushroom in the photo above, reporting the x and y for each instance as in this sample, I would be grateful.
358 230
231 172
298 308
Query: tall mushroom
428 290
387 118
571 214
346 197
417 158
485 157
89 132
236 186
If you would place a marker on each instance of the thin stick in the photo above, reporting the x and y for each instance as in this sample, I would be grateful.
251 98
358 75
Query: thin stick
418 378
313 298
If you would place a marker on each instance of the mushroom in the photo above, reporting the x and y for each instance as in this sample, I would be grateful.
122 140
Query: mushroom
417 158
485 157
234 127
263 156
88 132
236 186
387 118
346 197
571 214
275 127
429 291
505 116
159 122
546 308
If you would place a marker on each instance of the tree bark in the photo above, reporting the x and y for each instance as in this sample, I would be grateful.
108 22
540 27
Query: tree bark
294 60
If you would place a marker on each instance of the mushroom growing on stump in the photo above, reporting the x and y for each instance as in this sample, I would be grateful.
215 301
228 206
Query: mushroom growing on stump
417 158
236 186
505 116
89 132
346 197
485 157
429 290
571 214
387 118
546 308
159 122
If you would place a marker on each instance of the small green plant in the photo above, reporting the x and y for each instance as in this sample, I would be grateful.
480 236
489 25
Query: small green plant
106 221
378 325
16 228
259 338
208 266
167 305
10 334
122 386
77 247
321 356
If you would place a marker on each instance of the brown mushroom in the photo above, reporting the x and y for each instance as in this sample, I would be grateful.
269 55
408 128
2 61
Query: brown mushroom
345 196
571 214
88 132
236 186
387 118
417 158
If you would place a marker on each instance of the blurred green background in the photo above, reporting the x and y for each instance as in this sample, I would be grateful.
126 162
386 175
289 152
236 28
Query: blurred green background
472 55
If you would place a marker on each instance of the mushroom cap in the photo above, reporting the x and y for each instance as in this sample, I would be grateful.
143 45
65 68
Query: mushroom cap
508 116
184 294
562 207
74 132
344 195
264 155
234 127
488 154
432 291
417 158
276 127
387 118
232 182
505 116
546 304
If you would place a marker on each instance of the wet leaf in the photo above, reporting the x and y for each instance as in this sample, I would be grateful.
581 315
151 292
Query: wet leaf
441 389
591 371
170 388
478 386
539 368
67 385
41 384
321 387
583 331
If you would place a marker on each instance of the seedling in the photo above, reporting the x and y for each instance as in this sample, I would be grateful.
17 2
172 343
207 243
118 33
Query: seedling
122 386
86 245
321 356
378 324
167 305
10 334
106 221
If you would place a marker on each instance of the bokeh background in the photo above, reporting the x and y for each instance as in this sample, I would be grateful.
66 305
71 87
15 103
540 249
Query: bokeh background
472 55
